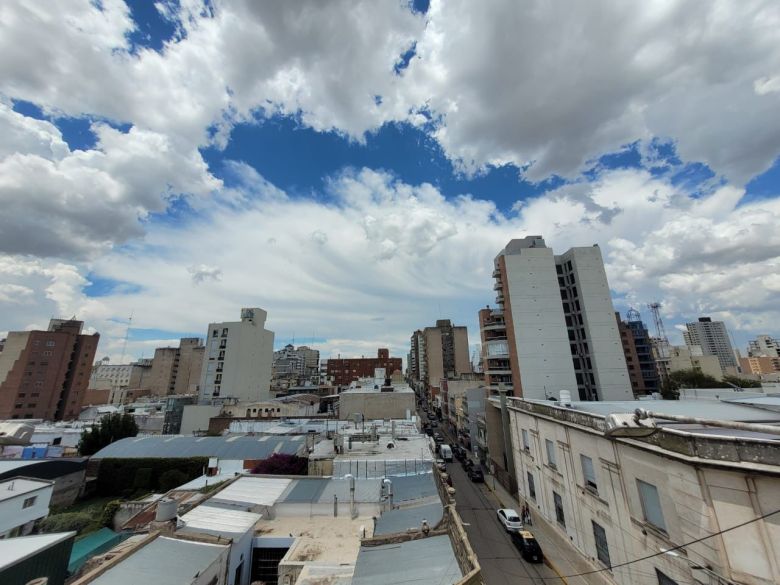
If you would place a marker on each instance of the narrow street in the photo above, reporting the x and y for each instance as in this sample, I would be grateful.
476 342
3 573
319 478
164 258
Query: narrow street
500 560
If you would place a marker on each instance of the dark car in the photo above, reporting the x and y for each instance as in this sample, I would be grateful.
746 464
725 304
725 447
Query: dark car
429 431
459 452
476 475
467 464
528 546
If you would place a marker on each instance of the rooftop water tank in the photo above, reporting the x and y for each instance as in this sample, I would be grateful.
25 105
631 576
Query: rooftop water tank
167 509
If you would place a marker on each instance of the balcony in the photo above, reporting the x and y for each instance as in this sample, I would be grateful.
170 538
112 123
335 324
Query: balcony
488 326
496 273
498 285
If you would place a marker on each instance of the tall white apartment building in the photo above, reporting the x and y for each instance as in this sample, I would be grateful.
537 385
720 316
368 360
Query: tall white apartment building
238 361
713 338
764 346
554 326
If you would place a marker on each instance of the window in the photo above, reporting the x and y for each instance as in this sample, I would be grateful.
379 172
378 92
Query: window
224 332
29 502
215 333
651 504
559 509
531 486
46 353
550 453
663 579
526 444
49 344
589 473
602 550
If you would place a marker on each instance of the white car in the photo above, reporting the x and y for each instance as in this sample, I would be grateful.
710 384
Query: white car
510 519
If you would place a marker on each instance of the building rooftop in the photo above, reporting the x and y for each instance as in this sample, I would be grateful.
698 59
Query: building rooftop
696 408
286 427
231 447
19 486
218 520
428 560
323 489
403 519
252 491
164 561
15 550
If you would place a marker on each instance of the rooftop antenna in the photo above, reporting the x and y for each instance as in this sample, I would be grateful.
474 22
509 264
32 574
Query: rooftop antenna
655 307
127 334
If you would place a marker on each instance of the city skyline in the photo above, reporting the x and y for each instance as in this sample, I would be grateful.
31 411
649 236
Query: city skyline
152 167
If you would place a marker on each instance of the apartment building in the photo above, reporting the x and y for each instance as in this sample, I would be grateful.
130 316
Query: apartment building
439 353
238 360
343 371
713 339
554 325
45 374
764 346
638 351
709 494
177 370
295 366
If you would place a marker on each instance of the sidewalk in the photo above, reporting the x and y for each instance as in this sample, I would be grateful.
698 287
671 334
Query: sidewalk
562 557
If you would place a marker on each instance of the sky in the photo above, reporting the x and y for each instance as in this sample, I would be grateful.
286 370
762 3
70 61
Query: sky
353 167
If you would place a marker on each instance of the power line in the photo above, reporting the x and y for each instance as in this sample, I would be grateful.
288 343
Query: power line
674 548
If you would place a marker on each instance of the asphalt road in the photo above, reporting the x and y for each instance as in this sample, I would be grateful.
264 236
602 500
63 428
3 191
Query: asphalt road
500 560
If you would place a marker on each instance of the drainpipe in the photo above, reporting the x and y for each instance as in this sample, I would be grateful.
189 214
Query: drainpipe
510 458
389 485
351 478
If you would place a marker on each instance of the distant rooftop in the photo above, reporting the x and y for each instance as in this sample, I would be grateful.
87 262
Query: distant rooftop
699 408
215 520
233 447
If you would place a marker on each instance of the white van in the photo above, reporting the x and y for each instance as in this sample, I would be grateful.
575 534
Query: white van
446 452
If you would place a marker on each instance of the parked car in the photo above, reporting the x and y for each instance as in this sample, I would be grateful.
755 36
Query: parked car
441 465
510 519
437 437
476 475
459 452
528 546
467 464
446 452
429 431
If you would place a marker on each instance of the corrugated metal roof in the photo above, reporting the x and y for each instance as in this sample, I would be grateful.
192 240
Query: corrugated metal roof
413 487
429 560
366 490
255 491
404 518
235 447
305 491
14 550
215 520
164 561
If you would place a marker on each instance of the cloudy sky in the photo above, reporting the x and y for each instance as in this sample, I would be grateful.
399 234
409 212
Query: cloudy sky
354 166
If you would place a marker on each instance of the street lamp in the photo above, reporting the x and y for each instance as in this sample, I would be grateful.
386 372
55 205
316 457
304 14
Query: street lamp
697 567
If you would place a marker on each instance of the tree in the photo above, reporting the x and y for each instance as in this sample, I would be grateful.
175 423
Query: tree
742 382
172 478
281 464
110 428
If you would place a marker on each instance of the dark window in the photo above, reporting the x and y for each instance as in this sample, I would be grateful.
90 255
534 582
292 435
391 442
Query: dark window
568 321
559 269
559 509
663 579
602 549
29 502
531 486
561 282
572 337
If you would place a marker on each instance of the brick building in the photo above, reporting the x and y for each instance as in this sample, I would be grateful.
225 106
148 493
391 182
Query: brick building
343 371
45 374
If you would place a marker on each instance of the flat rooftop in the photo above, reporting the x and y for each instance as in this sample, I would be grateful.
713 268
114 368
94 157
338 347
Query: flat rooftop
19 486
322 539
233 447
218 520
15 550
164 561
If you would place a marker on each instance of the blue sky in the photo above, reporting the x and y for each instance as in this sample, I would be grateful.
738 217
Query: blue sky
354 169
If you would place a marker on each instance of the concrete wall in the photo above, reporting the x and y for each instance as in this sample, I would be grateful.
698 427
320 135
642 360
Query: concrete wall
461 346
695 503
434 366
15 519
161 378
376 405
542 342
196 417
598 314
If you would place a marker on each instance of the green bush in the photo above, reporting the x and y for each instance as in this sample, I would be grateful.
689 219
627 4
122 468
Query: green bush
107 517
65 522
171 479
